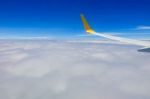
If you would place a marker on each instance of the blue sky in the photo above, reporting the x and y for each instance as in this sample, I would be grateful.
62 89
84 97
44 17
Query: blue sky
60 18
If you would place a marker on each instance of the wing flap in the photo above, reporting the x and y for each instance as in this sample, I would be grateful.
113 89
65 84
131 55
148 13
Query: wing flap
144 50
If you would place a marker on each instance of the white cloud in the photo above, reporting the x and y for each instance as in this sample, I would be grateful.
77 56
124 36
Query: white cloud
32 69
143 28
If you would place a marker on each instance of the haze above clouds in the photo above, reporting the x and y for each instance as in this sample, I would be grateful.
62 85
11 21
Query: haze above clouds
47 69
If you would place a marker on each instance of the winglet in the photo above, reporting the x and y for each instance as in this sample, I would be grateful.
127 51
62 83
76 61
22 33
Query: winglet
88 29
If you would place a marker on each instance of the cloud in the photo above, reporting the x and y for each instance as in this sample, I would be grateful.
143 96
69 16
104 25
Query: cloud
143 28
49 69
83 35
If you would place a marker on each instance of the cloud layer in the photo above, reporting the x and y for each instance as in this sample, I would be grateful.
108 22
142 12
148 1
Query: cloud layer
46 69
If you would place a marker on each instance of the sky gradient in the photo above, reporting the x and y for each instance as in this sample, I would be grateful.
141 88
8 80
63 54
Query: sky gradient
61 18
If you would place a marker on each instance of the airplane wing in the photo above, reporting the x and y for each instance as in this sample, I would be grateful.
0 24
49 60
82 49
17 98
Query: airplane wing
89 30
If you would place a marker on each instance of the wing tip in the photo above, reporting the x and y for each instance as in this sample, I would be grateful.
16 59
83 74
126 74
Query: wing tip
87 27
